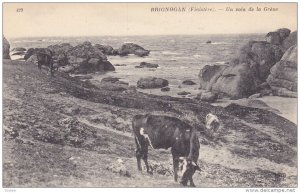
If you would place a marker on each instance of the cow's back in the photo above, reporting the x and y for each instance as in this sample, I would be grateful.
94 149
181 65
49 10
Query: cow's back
162 130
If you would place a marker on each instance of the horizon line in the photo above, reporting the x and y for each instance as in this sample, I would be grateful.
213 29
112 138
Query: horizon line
134 35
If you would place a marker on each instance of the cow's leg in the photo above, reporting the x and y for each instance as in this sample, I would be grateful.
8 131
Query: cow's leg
51 69
175 164
39 65
175 167
138 153
145 158
192 182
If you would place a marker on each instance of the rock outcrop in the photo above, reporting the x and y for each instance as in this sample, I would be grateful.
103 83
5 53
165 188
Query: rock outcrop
278 36
5 47
291 40
131 48
106 49
209 74
80 59
283 77
152 82
250 68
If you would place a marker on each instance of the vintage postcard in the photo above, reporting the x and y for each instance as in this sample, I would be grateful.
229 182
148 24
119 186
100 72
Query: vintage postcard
150 95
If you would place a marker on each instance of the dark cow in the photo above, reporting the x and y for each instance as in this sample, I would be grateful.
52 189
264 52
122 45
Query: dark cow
44 57
167 132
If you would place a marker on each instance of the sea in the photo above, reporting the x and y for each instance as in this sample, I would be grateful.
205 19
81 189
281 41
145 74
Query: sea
180 57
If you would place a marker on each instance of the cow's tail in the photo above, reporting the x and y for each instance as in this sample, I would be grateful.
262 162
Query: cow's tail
193 150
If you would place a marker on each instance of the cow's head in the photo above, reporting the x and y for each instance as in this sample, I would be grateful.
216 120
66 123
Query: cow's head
186 169
212 123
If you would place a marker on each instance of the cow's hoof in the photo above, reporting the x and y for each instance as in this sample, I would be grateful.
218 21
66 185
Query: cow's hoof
150 172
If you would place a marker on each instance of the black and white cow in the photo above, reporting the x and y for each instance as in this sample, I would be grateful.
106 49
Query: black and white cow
169 132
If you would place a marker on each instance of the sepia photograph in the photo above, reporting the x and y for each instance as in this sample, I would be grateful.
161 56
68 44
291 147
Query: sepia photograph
150 95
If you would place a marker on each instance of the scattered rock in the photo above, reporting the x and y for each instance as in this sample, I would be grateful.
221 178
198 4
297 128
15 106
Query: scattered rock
19 49
253 103
10 133
6 48
147 65
165 89
207 97
113 84
19 53
165 169
119 168
152 82
286 93
84 77
208 42
130 48
254 96
66 69
183 93
188 82
120 65
110 79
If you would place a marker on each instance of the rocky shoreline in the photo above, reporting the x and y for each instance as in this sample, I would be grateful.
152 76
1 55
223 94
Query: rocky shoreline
261 68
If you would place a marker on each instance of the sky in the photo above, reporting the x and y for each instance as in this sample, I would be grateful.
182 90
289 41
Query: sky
113 19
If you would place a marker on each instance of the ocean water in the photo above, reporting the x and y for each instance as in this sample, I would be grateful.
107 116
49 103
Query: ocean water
179 57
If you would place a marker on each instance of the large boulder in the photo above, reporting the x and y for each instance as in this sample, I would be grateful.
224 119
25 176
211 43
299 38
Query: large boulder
236 81
209 74
278 36
59 49
113 84
152 82
131 48
147 65
5 47
18 49
283 75
188 82
105 49
87 51
84 65
249 69
80 59
291 40
260 56
29 53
